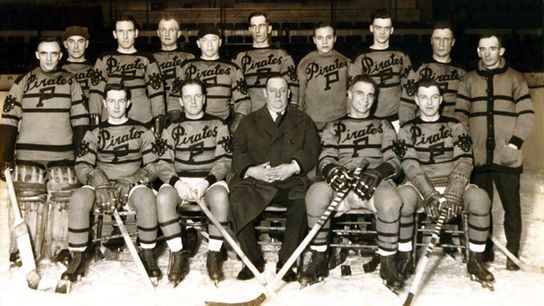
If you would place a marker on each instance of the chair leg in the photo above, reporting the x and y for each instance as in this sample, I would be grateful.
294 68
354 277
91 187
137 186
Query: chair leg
98 244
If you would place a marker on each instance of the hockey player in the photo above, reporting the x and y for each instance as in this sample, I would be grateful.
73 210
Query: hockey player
346 143
436 157
197 157
260 62
168 58
273 150
43 121
440 67
494 102
76 41
227 96
323 78
138 70
387 65
115 164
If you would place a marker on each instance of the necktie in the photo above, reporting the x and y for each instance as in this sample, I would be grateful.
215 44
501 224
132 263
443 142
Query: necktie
278 119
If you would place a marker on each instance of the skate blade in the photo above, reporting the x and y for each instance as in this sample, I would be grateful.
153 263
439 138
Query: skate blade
154 281
393 289
484 284
318 280
63 286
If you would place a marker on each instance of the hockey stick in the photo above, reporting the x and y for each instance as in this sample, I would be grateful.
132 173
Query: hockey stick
23 237
270 293
5 232
132 250
524 266
339 196
422 264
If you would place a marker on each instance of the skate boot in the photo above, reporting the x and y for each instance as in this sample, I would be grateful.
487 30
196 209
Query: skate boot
76 269
511 266
116 244
388 272
478 272
214 264
178 267
153 271
317 269
405 264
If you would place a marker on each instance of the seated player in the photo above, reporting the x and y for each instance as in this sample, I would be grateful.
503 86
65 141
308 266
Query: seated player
116 164
349 142
437 160
194 159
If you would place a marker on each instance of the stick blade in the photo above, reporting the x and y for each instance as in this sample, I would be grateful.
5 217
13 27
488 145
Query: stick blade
254 302
408 300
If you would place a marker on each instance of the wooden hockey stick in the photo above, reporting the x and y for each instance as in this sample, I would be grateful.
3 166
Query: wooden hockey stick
5 232
524 266
339 196
23 237
133 251
270 293
422 264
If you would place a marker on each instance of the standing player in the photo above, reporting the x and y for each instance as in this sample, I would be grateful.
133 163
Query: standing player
197 157
437 160
387 65
494 102
323 78
76 41
440 68
227 96
346 143
168 58
115 163
260 62
43 121
137 70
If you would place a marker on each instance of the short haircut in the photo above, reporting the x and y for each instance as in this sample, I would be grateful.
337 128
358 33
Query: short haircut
489 35
380 14
127 17
426 82
258 13
191 81
444 24
366 79
117 86
167 17
275 75
49 39
324 24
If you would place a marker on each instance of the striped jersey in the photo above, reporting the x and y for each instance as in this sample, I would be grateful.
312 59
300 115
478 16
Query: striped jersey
447 75
258 63
45 106
140 73
348 141
389 68
225 85
196 148
323 81
83 72
434 149
168 61
118 150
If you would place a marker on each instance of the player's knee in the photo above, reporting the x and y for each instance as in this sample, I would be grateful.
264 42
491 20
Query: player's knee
409 198
319 195
82 199
217 198
478 201
166 197
388 198
142 197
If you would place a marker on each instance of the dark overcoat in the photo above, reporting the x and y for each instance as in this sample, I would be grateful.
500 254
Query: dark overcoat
258 140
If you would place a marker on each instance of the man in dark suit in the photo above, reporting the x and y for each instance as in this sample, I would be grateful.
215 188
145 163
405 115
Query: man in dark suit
273 149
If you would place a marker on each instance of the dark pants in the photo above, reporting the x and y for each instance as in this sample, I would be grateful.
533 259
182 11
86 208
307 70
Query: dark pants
295 228
508 188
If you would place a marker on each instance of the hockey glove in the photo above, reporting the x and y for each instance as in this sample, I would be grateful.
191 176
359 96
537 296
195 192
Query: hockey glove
454 193
123 190
371 178
159 123
432 205
8 134
337 177
105 198
97 177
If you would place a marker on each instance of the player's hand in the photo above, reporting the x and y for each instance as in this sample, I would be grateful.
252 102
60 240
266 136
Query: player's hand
123 189
454 205
184 190
261 172
199 190
105 198
432 205
338 178
369 181
3 167
283 171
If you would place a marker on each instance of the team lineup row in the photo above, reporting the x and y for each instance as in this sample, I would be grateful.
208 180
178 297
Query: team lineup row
271 109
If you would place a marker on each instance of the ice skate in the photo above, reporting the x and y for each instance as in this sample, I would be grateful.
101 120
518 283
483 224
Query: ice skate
76 269
214 264
478 272
388 272
153 271
316 270
178 267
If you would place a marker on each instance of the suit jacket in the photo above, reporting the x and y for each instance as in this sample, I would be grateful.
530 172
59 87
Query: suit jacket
258 140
